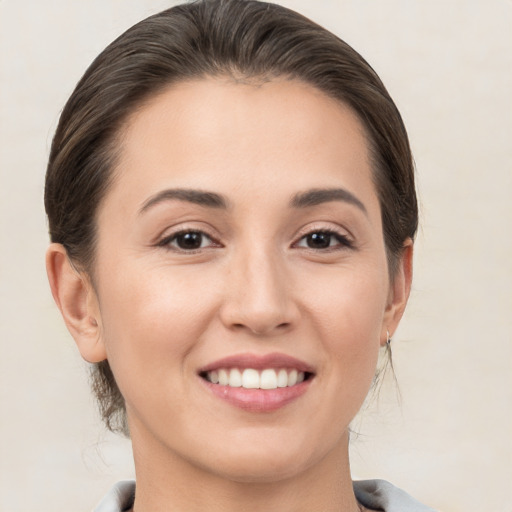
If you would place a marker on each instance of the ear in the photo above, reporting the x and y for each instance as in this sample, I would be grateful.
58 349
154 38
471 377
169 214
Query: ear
76 299
398 293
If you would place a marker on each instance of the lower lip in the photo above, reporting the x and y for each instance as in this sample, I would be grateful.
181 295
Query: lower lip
258 400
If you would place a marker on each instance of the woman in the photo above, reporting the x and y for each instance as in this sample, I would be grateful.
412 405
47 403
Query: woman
231 203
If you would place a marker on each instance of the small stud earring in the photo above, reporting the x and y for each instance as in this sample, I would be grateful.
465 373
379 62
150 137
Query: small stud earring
388 339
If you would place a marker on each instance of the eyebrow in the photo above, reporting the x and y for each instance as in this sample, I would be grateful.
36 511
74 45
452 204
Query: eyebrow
319 196
305 199
200 197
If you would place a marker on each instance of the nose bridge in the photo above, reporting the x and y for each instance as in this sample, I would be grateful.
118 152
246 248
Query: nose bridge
259 297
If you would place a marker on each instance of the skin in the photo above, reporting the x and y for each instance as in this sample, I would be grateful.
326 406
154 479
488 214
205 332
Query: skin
159 313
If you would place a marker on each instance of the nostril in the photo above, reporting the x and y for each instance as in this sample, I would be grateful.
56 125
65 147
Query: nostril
270 328
260 330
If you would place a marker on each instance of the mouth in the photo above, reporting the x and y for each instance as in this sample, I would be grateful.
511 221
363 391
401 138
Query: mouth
258 383
251 378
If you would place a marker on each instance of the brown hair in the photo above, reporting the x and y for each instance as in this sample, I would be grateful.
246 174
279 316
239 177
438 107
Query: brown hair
239 38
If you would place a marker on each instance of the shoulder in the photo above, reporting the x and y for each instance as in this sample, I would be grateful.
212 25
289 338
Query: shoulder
119 498
381 495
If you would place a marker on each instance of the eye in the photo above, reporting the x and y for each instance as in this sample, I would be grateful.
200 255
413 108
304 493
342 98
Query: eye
324 239
187 241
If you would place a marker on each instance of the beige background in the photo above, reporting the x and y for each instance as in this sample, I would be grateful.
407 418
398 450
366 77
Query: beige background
448 65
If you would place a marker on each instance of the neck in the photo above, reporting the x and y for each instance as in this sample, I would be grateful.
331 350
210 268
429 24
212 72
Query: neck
166 481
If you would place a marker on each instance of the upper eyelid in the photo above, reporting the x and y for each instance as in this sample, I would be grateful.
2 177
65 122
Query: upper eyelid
344 240
165 240
323 228
186 227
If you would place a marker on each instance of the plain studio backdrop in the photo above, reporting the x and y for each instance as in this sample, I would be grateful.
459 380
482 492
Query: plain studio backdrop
448 66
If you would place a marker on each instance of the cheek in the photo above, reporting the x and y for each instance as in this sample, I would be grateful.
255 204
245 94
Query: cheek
348 312
151 319
348 303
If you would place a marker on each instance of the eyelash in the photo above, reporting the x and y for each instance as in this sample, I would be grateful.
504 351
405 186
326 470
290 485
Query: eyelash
167 241
343 241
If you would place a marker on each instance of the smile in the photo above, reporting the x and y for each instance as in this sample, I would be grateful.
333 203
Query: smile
250 378
258 383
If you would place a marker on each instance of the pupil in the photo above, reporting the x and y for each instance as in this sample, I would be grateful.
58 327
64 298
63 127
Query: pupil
319 240
189 240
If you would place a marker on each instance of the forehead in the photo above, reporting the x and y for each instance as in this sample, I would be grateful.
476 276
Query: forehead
206 110
215 132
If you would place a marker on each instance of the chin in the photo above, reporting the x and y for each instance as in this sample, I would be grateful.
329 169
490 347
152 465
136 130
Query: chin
266 463
264 471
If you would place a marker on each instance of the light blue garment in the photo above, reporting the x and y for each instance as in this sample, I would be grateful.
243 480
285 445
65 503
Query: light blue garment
119 498
373 494
379 494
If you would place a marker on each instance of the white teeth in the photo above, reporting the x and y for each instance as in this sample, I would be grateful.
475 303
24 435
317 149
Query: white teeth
250 378
282 378
223 378
235 378
268 379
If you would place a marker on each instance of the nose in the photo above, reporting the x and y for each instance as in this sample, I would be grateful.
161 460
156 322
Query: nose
259 295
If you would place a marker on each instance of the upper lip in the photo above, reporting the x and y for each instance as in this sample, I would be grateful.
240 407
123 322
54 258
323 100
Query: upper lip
258 362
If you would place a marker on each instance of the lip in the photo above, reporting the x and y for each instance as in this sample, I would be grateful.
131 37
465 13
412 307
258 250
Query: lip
259 362
258 400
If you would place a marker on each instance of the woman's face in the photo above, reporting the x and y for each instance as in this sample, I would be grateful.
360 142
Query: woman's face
242 241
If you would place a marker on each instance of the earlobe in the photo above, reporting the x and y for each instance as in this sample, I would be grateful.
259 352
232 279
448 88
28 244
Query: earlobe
399 293
76 299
